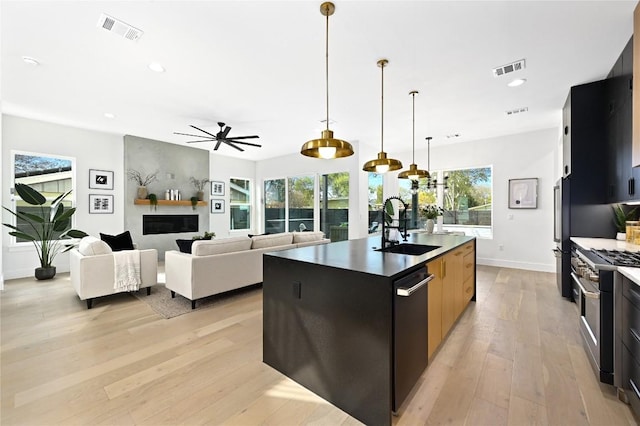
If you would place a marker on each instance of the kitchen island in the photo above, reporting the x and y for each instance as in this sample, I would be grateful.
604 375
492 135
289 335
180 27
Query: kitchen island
331 316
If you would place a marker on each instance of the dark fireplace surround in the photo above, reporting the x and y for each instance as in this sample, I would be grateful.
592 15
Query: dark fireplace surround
169 223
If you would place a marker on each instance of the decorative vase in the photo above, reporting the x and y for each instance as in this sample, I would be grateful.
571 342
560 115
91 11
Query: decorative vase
429 226
621 236
142 192
45 273
200 195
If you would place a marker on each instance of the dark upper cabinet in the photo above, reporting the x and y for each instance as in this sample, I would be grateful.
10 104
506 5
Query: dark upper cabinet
621 176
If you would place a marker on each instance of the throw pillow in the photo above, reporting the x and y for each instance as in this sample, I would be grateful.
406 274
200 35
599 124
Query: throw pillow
185 245
91 246
118 242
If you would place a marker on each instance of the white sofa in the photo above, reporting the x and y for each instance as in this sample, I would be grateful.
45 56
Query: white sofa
219 265
91 267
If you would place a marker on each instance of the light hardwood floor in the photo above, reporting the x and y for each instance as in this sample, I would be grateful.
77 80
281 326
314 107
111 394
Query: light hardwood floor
514 357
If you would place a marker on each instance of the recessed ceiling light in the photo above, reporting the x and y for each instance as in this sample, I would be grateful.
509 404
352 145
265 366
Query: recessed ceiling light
154 66
30 61
517 82
109 115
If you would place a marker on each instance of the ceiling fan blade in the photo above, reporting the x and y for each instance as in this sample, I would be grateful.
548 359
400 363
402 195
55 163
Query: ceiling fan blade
203 131
225 132
188 134
232 145
204 140
245 137
217 145
243 143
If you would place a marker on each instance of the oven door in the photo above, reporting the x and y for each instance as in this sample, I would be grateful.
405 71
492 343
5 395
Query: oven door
589 317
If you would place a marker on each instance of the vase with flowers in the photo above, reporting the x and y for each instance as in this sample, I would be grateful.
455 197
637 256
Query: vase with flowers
199 185
142 181
430 212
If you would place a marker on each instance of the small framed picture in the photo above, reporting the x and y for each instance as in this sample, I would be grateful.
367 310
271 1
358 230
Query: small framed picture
217 206
100 179
523 193
217 188
100 204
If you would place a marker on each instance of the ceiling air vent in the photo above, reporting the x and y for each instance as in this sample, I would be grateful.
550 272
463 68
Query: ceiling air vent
509 68
118 27
517 111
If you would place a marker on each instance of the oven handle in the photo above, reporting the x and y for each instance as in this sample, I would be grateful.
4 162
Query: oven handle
589 294
633 386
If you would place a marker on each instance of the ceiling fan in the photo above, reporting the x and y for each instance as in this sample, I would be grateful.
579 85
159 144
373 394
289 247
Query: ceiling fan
220 137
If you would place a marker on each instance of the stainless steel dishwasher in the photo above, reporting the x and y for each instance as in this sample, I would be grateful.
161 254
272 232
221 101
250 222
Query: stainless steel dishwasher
409 332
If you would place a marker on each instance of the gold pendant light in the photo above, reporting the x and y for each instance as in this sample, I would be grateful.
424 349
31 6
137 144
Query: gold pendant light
327 146
414 173
382 164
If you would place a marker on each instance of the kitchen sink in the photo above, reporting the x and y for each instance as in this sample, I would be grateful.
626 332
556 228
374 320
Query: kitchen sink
411 249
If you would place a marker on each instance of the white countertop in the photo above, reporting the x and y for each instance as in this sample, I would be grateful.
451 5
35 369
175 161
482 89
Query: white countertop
604 243
632 273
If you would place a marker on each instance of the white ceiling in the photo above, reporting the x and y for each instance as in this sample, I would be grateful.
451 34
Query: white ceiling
259 67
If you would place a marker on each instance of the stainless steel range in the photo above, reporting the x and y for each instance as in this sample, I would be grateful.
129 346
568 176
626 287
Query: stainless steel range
619 257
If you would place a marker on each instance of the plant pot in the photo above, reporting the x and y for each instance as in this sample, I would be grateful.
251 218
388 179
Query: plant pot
429 226
621 236
200 195
142 192
45 273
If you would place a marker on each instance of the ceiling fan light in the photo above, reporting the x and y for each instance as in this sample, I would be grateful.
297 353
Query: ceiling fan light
382 164
327 147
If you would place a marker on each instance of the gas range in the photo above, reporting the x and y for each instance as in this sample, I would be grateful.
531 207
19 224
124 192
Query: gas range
619 257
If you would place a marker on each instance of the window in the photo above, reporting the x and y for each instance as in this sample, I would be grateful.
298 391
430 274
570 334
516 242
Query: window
300 203
239 203
416 193
468 200
334 213
275 203
50 175
375 201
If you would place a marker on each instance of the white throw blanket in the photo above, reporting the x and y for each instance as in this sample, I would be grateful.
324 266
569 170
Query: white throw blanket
126 270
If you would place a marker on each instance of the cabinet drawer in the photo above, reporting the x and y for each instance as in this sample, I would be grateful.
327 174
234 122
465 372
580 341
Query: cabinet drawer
631 379
631 292
467 247
468 290
631 325
468 264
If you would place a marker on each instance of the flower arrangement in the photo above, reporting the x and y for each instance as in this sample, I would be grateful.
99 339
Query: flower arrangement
136 176
198 183
431 211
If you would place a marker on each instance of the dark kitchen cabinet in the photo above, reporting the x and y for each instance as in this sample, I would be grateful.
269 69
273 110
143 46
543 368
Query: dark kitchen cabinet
621 176
629 344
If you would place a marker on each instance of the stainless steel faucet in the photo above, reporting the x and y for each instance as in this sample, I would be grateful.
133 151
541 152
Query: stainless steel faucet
401 225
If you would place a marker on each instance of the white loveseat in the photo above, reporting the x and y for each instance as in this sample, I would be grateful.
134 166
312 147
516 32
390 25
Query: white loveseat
92 270
219 265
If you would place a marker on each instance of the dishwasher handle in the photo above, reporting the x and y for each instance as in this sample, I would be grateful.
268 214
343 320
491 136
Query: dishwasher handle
406 292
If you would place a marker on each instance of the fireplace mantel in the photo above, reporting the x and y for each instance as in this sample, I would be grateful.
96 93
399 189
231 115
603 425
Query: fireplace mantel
147 202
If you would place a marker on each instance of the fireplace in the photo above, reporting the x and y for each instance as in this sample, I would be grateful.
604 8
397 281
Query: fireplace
169 223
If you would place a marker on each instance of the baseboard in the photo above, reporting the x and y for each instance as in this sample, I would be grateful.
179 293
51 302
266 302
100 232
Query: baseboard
529 266
30 272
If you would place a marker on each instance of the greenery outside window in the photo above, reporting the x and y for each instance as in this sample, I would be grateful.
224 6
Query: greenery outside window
240 204
275 203
375 184
300 203
49 174
468 200
334 213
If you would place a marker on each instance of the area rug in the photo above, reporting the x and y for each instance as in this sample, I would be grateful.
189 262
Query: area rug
161 302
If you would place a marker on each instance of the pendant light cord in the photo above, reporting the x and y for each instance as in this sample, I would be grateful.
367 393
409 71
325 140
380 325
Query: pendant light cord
326 62
382 112
413 156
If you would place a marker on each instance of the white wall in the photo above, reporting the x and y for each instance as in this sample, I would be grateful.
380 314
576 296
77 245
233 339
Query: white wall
526 235
92 150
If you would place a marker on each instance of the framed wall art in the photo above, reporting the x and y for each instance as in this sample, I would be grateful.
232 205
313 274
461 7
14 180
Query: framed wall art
100 204
523 193
217 206
100 179
217 188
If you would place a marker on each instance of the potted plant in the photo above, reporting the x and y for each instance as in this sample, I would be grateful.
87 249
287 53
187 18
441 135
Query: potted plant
199 185
431 212
194 202
153 201
43 226
142 182
620 218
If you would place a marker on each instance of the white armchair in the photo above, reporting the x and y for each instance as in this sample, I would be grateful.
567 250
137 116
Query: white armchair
92 269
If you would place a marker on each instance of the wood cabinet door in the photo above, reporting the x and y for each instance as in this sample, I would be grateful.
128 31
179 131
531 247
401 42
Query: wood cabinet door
434 306
468 276
448 294
456 273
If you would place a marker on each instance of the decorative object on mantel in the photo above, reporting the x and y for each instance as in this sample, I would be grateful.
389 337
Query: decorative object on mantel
100 179
327 146
431 212
44 227
199 185
621 218
221 137
142 182
414 173
194 202
382 164
153 201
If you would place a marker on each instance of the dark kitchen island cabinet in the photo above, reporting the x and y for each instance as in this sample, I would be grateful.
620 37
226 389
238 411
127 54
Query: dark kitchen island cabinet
330 319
